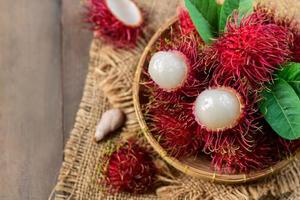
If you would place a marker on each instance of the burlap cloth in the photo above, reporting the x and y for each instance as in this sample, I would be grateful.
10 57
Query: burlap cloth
108 84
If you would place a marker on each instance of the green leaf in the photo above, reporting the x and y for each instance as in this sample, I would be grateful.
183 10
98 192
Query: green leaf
291 73
243 6
281 109
246 6
204 14
226 10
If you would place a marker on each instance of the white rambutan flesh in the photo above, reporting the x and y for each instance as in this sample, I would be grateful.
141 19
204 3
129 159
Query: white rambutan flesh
168 69
126 11
218 108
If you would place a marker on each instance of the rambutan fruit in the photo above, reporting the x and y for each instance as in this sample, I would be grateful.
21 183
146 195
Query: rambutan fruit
186 24
227 113
173 128
175 134
131 169
288 22
234 159
251 49
174 70
116 21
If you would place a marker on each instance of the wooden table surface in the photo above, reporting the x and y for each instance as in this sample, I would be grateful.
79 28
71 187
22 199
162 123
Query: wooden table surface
43 62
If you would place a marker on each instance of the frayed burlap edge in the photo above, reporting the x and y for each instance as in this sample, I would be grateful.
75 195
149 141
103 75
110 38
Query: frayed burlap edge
108 84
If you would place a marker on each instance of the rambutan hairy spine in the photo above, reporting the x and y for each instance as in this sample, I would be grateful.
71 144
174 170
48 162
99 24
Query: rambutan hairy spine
131 169
186 24
251 49
173 129
233 159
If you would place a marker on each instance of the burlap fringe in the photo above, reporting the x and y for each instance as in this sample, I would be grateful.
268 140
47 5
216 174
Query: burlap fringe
108 84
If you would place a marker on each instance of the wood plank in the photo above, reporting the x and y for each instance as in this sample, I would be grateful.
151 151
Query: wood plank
76 43
30 98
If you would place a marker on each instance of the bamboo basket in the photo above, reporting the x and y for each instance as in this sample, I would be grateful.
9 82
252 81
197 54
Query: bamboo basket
196 167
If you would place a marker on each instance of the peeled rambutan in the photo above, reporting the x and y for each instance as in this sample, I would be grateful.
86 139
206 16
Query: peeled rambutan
186 23
131 169
174 70
227 113
252 49
116 21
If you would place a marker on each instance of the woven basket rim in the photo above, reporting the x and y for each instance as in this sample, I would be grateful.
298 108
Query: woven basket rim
187 169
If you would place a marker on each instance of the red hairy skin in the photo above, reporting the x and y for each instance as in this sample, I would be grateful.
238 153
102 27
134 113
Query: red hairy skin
287 147
174 130
253 49
196 77
296 48
268 149
105 25
131 169
290 23
186 23
233 159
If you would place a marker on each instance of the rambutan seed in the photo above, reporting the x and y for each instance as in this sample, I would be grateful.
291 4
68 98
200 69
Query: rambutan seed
218 108
168 69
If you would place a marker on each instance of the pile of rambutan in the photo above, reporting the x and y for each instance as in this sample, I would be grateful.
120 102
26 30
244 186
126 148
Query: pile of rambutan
217 85
203 98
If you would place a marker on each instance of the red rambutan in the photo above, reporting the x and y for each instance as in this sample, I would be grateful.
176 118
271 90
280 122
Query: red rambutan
287 22
234 159
186 23
174 130
131 169
253 48
116 21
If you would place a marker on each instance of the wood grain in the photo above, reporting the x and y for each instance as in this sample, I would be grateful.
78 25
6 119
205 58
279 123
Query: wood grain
43 61
76 43
31 141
